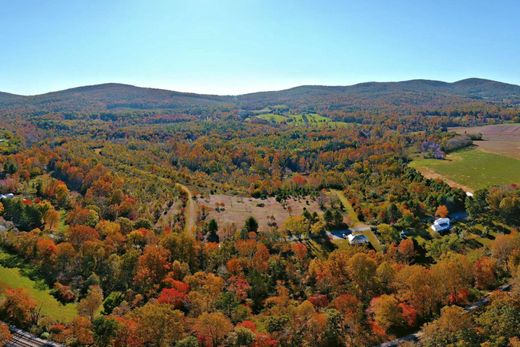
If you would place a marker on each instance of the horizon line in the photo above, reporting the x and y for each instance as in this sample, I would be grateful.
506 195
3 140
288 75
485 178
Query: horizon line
274 89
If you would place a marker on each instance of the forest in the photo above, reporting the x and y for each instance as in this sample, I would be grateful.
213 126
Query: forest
101 206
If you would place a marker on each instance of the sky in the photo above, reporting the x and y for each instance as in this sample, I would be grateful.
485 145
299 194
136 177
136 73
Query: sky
239 46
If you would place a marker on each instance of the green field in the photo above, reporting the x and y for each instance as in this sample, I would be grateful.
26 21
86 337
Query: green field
38 290
474 168
298 119
271 117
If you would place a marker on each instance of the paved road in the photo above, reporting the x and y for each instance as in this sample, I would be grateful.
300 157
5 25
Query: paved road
21 338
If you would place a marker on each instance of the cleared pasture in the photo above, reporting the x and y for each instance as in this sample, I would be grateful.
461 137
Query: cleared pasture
229 209
473 168
502 139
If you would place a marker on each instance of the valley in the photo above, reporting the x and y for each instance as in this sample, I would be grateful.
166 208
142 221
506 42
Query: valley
261 213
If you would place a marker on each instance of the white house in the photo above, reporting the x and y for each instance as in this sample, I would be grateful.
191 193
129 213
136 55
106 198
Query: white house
441 225
357 239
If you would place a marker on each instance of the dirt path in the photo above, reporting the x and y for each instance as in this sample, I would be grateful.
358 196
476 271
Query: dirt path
191 210
356 226
352 218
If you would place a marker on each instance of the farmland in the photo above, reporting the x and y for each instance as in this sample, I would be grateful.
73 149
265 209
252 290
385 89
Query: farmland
503 139
472 168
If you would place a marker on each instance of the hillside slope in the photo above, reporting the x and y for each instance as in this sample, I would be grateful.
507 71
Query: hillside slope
361 96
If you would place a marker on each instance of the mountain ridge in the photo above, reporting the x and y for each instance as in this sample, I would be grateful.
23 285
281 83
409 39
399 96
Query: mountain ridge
368 83
108 96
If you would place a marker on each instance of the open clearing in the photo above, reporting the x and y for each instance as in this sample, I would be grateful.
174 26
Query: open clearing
472 169
503 139
13 278
299 119
237 209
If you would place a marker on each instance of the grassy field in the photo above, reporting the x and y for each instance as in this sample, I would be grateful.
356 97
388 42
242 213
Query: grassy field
13 278
474 168
299 119
273 118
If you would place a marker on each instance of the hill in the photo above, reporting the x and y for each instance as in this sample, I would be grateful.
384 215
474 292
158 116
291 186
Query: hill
363 96
413 92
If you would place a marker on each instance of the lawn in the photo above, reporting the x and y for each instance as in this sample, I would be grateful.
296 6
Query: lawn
474 168
38 290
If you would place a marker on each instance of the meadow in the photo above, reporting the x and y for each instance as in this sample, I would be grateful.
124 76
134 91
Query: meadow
472 168
14 277
298 119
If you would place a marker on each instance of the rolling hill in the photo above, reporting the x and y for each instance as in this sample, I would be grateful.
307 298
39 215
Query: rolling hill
413 93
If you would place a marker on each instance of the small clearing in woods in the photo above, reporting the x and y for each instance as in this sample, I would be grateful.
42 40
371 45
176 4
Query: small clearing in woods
237 209
13 277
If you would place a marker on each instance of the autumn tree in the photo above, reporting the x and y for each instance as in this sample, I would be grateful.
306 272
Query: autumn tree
453 326
297 225
212 328
453 276
416 285
442 211
159 325
152 267
385 274
388 233
500 320
362 270
91 303
79 234
18 307
5 334
406 250
484 270
386 312
82 330
51 219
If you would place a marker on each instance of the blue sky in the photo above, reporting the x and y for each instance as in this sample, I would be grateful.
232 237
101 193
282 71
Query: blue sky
237 46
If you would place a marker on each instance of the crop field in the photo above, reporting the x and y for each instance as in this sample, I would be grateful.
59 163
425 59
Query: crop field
503 139
237 209
14 278
471 169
